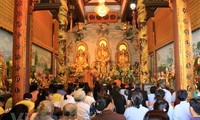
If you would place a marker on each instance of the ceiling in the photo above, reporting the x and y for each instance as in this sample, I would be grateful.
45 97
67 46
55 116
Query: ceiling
82 7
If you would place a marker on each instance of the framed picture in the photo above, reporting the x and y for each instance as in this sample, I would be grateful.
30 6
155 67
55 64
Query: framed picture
6 44
6 49
196 43
147 87
165 58
41 60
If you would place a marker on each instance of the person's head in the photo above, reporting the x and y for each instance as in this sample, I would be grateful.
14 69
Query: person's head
45 108
33 87
2 101
161 84
79 95
103 90
70 110
97 84
46 94
182 95
104 102
156 115
198 89
81 85
159 94
195 107
27 96
60 87
137 85
70 90
53 88
122 86
153 89
136 99
162 105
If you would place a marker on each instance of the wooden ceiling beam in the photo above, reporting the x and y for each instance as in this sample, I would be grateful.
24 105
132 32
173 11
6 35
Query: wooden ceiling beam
118 1
46 6
79 9
157 4
86 1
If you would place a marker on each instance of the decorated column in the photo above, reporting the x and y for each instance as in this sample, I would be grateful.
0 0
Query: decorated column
142 39
62 41
183 47
21 49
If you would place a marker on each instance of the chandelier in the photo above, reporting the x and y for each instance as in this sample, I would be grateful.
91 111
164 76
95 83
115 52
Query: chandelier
101 9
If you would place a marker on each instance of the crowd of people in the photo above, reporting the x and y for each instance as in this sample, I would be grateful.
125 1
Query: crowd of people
102 102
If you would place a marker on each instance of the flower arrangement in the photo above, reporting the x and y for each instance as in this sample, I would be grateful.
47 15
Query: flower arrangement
127 74
42 79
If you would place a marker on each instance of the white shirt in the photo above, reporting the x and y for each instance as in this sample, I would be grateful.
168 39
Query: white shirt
133 113
170 112
70 99
174 97
122 92
83 111
182 111
168 96
151 100
89 100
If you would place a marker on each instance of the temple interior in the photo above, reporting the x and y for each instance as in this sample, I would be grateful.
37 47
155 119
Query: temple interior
71 41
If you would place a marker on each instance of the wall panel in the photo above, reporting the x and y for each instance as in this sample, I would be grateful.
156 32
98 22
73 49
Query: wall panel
150 33
42 29
194 12
7 14
164 26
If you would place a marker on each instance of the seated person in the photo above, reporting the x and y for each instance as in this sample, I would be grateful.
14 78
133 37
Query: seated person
162 105
27 101
105 105
156 115
69 112
83 109
18 111
195 109
44 111
136 108
151 97
8 105
56 97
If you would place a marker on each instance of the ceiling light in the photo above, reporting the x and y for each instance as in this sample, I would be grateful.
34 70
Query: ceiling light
132 6
101 9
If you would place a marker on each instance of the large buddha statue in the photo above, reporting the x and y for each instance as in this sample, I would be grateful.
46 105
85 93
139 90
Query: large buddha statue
122 56
81 59
103 57
103 54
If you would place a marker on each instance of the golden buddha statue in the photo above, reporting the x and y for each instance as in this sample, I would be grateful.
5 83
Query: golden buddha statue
122 56
81 59
103 54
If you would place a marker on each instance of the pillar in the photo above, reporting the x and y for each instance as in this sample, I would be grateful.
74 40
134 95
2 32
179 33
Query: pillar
142 38
21 50
183 47
62 42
